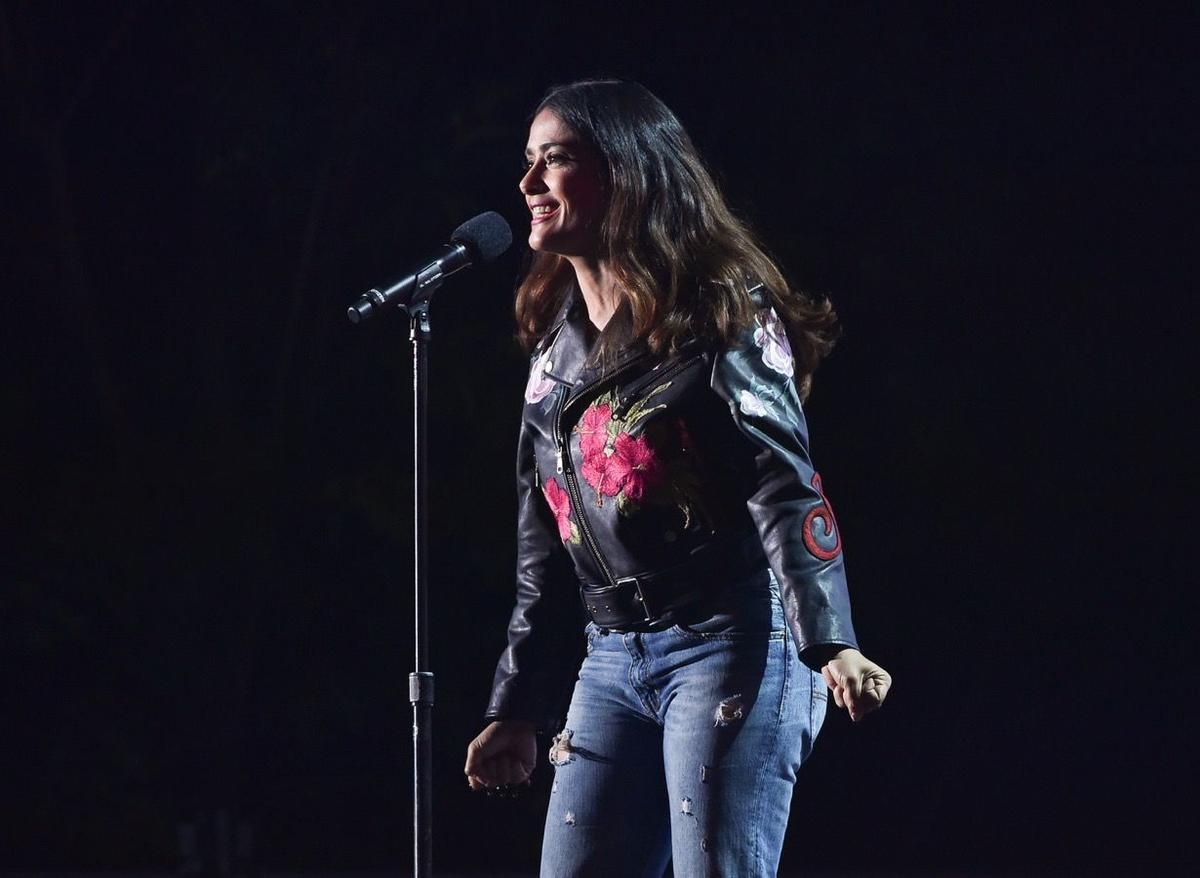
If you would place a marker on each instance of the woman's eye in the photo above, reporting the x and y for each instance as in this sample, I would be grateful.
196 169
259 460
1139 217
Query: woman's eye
553 158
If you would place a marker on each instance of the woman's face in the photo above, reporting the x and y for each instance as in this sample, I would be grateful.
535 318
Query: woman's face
565 187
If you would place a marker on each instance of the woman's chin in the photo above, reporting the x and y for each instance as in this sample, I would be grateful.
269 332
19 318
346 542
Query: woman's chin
539 245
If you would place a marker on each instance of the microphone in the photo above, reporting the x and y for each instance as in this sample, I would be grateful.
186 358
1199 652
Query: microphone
480 239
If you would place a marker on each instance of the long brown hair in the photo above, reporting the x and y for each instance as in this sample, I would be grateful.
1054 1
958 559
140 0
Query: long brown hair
681 257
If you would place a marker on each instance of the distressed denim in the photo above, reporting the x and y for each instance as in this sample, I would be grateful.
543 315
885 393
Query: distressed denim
684 744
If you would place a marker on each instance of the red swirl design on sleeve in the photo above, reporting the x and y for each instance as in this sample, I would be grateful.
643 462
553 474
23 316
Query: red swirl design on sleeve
825 513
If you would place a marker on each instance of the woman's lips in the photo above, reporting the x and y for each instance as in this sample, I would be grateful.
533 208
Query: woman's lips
536 218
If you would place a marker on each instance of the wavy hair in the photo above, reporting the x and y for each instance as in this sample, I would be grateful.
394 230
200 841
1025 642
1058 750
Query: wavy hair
682 259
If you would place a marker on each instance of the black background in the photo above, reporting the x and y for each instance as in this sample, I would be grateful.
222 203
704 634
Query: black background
205 591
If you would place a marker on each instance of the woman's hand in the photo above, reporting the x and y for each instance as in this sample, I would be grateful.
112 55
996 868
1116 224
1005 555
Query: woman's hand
504 753
858 684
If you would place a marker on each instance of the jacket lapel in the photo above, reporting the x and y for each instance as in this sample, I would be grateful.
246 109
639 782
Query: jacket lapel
570 360
573 342
569 350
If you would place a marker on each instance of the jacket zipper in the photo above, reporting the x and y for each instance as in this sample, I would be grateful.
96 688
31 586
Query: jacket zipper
658 380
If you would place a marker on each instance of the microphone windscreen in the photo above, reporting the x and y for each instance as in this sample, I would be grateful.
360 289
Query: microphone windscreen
488 234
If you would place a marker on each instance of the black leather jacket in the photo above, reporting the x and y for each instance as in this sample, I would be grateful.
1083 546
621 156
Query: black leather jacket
632 468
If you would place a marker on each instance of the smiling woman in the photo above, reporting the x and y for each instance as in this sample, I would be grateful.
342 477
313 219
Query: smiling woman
665 490
565 188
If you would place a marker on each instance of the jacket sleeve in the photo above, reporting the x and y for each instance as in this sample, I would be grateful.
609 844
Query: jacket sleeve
544 633
790 511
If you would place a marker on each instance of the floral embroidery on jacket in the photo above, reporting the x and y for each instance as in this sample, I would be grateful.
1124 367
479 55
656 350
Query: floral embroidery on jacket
593 429
616 463
560 505
771 336
630 468
760 399
751 404
539 383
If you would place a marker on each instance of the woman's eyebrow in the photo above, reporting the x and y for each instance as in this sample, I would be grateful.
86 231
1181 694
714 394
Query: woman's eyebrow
546 146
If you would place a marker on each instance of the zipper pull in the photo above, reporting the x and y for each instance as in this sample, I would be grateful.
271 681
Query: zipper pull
558 458
537 475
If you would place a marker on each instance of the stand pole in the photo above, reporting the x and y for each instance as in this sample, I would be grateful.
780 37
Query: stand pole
420 681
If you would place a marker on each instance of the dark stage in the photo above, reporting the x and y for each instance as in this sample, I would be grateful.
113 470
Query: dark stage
207 470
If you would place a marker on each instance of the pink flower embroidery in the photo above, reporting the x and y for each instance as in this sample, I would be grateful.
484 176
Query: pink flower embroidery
560 505
539 384
639 465
772 338
593 429
630 469
615 463
606 473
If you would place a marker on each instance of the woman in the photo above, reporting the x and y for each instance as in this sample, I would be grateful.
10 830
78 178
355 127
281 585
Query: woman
667 504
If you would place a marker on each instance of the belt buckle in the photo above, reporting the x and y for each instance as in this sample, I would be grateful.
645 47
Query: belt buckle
641 596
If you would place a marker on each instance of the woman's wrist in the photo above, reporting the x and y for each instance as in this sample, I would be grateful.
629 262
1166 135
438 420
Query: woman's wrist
515 725
821 654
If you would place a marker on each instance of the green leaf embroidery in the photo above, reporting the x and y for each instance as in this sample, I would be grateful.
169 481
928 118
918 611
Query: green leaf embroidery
639 410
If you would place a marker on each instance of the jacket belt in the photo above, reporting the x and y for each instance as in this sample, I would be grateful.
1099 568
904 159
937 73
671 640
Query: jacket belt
642 599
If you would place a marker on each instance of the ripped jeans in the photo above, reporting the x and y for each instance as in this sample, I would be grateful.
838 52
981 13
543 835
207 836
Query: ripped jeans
683 745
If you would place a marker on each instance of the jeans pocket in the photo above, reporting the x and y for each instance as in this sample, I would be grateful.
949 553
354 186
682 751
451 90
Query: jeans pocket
719 626
740 613
593 633
754 619
589 634
818 705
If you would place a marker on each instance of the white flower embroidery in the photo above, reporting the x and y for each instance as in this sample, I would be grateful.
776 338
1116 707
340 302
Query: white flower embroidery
772 338
539 385
751 404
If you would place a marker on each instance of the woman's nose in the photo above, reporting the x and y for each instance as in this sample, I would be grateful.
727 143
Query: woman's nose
532 181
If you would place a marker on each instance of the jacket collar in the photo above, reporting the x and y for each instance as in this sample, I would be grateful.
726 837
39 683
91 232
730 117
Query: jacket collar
574 342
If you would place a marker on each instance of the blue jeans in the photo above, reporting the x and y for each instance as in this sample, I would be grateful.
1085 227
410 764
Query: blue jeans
684 744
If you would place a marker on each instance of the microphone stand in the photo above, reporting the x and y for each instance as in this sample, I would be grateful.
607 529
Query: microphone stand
420 681
418 288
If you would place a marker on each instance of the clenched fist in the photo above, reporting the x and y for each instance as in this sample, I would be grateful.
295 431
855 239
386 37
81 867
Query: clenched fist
502 755
858 684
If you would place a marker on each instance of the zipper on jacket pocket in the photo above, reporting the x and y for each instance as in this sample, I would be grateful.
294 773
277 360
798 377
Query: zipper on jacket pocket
650 385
